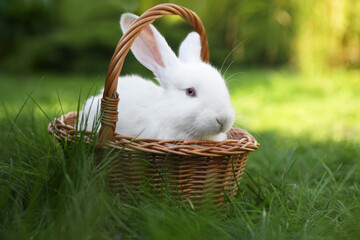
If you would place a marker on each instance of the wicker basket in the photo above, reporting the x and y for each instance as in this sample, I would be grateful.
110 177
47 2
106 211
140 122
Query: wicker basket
194 170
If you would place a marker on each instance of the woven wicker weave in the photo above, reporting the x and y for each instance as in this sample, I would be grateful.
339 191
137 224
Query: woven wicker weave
194 169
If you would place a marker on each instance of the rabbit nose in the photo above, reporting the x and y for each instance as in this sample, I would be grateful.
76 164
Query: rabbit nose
225 121
221 121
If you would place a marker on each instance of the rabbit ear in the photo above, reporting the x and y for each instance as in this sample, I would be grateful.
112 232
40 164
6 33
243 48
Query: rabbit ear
190 48
150 47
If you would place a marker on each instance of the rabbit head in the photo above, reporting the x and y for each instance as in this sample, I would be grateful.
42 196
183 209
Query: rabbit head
195 102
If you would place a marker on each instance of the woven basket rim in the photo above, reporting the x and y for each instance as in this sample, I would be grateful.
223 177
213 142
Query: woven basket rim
62 129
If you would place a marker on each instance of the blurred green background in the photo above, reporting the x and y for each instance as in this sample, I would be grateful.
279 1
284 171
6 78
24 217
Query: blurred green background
79 36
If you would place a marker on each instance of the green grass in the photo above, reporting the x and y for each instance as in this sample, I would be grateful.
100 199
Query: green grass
303 183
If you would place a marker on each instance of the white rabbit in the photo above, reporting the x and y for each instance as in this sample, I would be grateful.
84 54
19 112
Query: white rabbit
191 103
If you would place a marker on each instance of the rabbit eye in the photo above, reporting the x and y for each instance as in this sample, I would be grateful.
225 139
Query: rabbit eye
191 92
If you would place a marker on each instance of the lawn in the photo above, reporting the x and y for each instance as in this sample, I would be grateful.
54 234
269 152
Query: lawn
303 183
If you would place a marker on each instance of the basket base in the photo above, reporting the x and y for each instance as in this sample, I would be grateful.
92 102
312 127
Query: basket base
198 180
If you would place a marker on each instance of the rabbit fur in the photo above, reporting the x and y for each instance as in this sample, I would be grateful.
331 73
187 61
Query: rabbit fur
169 110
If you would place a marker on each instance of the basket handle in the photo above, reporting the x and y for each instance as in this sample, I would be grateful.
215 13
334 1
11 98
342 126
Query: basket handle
110 100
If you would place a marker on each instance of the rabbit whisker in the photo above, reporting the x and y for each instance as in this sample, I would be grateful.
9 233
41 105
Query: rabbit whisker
234 74
245 116
228 68
187 134
246 98
229 80
241 111
248 103
240 119
232 50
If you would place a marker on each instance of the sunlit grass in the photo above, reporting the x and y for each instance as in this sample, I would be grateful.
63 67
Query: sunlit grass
52 92
320 106
303 183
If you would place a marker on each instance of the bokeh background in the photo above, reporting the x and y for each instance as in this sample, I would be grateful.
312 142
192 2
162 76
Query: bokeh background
79 36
